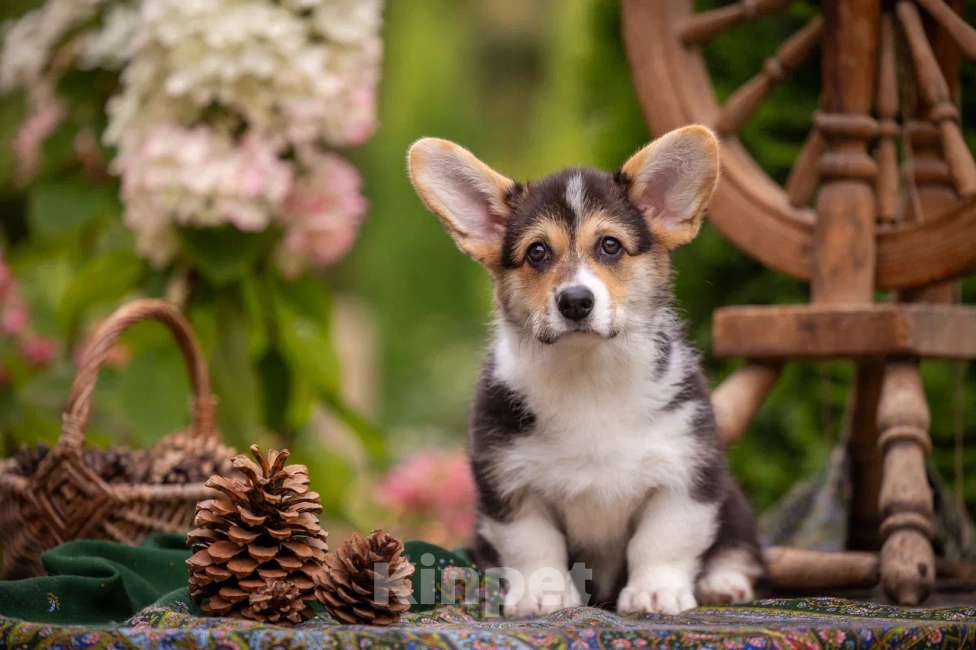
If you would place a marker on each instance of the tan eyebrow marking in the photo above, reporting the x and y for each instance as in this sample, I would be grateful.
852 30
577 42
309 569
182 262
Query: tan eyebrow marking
548 230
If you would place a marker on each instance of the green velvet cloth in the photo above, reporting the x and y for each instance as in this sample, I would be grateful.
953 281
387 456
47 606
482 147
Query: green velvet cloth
98 583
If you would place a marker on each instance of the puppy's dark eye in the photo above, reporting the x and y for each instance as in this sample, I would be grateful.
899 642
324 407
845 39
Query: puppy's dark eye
610 246
537 252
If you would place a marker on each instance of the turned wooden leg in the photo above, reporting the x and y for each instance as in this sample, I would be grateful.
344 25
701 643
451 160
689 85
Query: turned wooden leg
907 560
864 519
737 399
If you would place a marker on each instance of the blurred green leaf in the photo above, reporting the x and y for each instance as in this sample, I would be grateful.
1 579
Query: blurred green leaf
308 296
307 345
49 390
57 208
155 393
330 475
235 379
224 254
370 436
276 380
304 329
256 310
103 279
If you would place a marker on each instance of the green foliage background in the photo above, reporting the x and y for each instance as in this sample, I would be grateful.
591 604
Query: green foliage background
528 85
554 92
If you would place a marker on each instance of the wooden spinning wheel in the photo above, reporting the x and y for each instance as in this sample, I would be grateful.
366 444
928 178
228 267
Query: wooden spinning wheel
893 189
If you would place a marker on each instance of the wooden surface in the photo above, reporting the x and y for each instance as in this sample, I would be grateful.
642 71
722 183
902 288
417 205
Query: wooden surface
737 399
799 569
845 331
864 463
907 558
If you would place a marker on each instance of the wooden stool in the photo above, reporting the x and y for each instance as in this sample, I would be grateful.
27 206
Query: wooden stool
863 234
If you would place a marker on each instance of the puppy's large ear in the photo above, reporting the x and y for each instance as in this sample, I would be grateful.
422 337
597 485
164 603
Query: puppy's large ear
468 196
672 181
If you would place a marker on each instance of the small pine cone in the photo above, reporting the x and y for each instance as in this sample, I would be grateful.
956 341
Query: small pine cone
28 459
184 458
114 465
264 530
279 602
353 589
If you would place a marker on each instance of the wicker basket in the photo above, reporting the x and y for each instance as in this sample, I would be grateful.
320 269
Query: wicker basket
65 499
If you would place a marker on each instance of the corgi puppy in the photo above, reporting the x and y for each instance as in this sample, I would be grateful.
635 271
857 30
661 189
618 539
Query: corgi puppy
592 437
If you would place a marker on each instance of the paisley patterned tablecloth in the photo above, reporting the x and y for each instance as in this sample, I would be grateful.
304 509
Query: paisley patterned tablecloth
768 624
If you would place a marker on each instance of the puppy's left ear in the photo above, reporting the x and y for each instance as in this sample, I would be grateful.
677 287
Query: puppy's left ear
672 181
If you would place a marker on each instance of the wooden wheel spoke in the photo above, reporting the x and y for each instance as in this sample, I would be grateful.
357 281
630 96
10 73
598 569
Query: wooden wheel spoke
962 32
747 99
935 93
886 154
709 24
804 177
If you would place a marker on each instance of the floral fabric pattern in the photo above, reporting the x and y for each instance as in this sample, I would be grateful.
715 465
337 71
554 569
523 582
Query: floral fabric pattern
767 624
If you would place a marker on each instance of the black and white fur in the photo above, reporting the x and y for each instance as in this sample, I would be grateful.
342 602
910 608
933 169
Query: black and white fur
595 442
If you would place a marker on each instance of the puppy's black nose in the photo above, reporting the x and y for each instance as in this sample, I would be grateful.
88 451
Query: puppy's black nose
575 303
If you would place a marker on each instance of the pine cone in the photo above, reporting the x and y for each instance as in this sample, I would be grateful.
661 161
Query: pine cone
28 459
278 601
264 532
184 458
116 464
350 583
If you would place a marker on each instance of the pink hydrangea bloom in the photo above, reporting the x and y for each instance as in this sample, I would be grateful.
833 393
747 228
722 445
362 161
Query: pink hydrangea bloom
433 483
40 124
14 318
322 215
39 351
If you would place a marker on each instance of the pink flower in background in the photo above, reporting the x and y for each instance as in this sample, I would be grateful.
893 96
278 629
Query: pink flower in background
14 313
15 317
321 215
39 351
40 124
435 484
362 124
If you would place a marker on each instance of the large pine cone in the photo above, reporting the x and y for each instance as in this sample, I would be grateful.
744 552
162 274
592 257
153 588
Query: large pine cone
352 588
256 552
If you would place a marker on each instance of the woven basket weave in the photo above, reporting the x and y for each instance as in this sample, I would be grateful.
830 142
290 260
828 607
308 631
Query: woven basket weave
65 499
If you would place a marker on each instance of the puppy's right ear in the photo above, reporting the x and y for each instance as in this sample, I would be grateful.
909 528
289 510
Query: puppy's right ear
468 196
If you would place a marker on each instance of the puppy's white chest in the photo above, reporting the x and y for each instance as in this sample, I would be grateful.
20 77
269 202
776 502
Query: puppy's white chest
608 450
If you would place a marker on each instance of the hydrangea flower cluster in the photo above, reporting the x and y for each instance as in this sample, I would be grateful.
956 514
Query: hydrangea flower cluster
436 486
228 111
36 350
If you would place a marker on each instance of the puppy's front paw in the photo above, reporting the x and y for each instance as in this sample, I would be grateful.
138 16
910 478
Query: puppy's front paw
657 597
724 587
539 602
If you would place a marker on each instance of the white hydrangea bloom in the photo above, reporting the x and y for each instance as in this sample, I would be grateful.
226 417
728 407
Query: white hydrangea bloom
225 111
200 177
349 21
29 43
113 45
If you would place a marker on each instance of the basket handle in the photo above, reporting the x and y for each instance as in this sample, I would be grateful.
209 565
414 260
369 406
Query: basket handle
76 412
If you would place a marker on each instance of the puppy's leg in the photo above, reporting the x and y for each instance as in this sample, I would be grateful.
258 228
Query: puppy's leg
734 563
663 556
533 556
728 577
